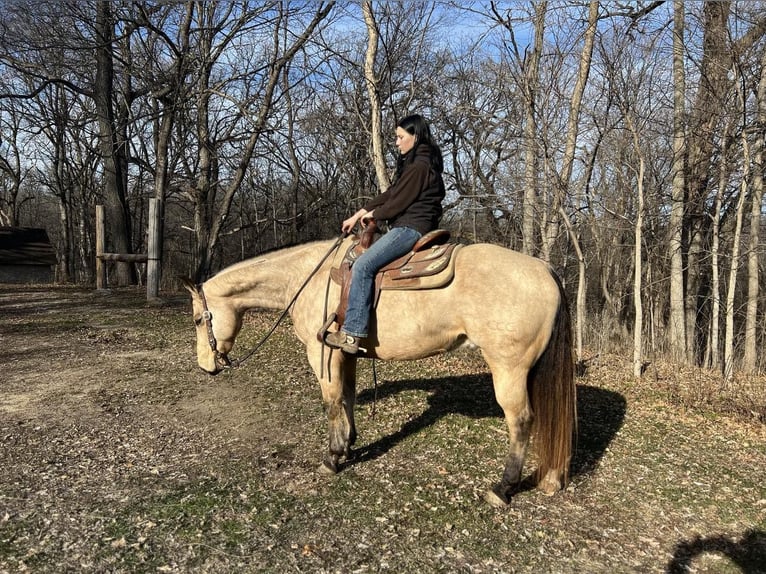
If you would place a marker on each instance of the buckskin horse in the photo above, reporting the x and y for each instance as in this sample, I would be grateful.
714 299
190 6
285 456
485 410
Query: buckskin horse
510 306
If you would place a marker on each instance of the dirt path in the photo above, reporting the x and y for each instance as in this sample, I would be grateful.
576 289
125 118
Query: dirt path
119 455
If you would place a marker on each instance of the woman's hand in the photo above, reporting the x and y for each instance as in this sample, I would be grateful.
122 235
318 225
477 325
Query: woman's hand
348 224
363 216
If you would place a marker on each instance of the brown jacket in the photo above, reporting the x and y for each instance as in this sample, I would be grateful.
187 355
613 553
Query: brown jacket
415 198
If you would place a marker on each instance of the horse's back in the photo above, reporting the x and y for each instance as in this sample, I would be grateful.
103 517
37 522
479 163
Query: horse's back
507 270
499 300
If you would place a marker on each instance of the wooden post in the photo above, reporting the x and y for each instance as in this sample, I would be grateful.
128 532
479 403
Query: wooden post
152 258
100 241
154 249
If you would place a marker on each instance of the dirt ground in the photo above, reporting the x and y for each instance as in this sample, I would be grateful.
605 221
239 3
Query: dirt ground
119 455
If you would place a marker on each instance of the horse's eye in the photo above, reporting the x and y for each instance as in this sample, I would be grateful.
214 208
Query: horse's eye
197 321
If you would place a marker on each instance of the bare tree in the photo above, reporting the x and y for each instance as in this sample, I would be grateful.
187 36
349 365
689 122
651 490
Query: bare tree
715 252
211 195
628 102
528 63
72 45
564 176
112 140
719 46
638 298
373 92
72 158
677 319
567 161
749 360
12 169
728 353
482 134
163 62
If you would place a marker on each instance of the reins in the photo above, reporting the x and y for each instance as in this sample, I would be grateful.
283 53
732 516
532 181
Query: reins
224 360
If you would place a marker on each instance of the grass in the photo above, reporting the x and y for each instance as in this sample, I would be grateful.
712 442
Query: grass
120 456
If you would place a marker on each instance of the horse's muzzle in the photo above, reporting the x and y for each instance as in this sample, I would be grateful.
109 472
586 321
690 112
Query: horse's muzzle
212 373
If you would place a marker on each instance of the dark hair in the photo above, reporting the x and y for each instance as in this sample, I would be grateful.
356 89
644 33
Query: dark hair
416 125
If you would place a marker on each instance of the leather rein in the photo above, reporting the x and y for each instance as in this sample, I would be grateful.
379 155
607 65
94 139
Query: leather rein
222 359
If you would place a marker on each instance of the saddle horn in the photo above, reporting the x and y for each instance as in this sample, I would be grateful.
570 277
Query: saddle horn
368 234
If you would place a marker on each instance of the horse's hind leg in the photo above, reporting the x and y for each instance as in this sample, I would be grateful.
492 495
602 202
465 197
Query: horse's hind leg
511 395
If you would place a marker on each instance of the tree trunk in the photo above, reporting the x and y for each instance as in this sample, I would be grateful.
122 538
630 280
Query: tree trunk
580 306
531 86
728 359
167 102
115 195
292 157
567 162
204 190
749 360
723 175
638 304
677 319
705 115
371 79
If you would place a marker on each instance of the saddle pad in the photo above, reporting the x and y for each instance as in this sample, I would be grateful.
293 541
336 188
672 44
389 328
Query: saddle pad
429 269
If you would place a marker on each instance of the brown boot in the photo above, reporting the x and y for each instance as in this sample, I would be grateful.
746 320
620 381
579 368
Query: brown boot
343 341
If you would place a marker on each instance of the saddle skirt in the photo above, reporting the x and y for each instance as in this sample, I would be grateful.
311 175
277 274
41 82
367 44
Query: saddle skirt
429 265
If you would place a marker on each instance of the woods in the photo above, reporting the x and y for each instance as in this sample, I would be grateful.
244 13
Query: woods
621 142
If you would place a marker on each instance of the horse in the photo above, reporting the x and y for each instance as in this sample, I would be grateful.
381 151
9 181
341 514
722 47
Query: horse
510 306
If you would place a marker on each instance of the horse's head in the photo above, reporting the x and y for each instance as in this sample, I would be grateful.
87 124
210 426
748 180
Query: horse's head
217 324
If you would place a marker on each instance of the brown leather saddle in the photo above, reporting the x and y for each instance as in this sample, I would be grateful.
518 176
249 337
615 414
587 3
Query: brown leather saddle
430 264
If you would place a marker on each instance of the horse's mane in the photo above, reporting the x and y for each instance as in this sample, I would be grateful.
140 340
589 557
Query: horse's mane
267 255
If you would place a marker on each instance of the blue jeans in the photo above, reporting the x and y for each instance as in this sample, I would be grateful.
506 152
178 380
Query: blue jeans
395 243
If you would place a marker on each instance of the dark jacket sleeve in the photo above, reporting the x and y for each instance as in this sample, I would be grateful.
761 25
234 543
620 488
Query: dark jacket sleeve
397 198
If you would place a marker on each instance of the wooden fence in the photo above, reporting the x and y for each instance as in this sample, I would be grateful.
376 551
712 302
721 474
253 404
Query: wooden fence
151 258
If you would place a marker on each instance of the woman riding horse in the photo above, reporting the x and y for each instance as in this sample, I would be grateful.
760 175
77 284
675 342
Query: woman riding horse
411 206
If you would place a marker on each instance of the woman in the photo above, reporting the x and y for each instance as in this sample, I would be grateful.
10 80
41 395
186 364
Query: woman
412 206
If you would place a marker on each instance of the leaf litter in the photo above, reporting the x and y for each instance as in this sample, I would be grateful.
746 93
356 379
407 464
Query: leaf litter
120 455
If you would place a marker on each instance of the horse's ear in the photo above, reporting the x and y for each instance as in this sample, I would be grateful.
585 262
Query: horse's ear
190 286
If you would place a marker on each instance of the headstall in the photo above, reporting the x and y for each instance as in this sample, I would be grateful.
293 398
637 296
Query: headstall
221 359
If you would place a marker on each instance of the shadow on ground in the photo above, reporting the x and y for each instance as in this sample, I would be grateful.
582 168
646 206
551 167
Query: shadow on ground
748 553
600 415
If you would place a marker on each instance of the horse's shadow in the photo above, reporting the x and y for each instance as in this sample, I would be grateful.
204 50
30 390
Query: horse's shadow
600 415
749 553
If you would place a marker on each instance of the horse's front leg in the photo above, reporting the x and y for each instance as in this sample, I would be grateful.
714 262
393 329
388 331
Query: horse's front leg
338 383
349 394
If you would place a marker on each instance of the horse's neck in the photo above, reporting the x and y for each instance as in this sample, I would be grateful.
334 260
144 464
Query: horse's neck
267 282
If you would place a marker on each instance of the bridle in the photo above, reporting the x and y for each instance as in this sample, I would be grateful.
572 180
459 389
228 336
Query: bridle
222 360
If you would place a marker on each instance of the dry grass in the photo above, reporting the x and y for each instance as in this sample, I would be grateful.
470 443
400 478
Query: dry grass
120 456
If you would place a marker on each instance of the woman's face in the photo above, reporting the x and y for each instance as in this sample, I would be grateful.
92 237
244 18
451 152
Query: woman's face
405 141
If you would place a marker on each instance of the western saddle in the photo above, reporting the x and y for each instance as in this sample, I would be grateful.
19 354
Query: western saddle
428 265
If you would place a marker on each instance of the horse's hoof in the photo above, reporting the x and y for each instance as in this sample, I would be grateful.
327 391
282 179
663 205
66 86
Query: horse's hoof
494 499
549 486
328 467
